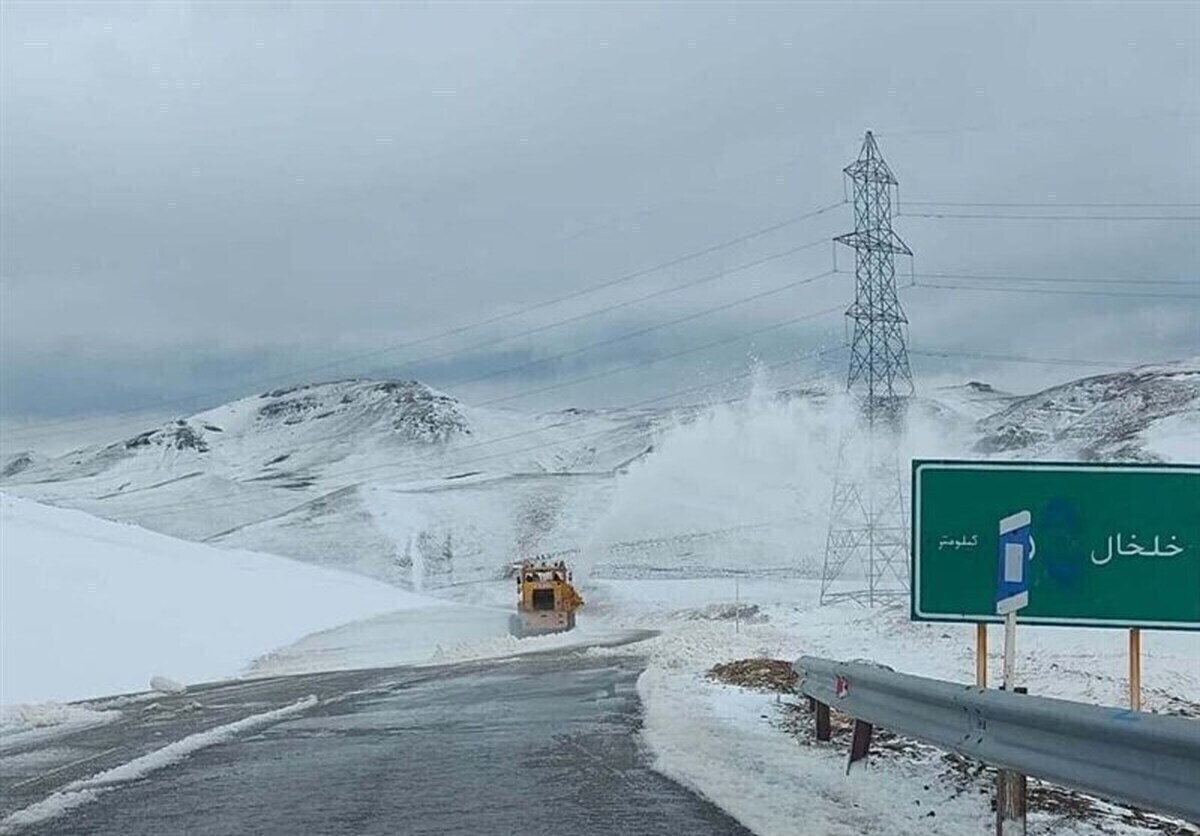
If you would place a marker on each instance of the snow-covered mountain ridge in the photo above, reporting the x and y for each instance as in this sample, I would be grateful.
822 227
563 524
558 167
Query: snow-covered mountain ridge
1110 417
402 482
293 469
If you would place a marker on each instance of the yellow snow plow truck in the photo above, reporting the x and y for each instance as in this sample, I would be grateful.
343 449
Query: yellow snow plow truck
546 601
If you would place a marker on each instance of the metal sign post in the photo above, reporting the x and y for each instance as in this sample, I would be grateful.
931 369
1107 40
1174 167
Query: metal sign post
1010 650
981 655
1017 548
1135 669
1012 581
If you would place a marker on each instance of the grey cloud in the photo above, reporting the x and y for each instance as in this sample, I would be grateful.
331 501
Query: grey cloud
259 183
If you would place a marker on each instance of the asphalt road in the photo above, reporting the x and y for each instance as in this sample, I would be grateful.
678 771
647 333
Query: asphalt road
540 744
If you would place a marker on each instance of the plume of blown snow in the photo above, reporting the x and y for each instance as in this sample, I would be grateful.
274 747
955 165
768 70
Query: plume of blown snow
753 478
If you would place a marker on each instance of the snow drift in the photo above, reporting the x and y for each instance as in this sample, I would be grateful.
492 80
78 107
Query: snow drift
92 607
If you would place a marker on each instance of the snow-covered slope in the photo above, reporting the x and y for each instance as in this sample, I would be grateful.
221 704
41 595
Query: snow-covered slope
972 400
1118 416
433 534
286 438
93 607
18 462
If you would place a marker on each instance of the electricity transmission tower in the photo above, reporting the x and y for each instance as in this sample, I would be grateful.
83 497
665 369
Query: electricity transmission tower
866 550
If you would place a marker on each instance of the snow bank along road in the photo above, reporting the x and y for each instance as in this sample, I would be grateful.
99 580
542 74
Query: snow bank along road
491 747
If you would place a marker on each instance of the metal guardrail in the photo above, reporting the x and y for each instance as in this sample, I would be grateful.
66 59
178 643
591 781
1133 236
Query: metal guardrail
1147 760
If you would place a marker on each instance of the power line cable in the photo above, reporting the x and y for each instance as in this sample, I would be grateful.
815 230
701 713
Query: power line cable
719 274
630 335
224 501
630 366
430 456
1046 291
492 320
1054 279
992 216
1012 358
671 356
1035 124
744 300
161 510
1051 204
649 329
594 312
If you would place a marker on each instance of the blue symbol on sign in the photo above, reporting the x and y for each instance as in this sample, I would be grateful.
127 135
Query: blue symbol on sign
1012 571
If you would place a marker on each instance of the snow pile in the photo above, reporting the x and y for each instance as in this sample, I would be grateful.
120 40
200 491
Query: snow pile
166 686
22 724
92 607
46 715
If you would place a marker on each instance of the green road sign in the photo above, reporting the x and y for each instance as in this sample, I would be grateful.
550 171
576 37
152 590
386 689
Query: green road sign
1113 545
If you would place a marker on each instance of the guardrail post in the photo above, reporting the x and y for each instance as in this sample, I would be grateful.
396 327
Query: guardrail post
1010 798
824 727
1010 803
860 743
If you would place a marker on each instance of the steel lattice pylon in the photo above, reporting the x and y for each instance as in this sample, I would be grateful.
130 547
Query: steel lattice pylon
868 525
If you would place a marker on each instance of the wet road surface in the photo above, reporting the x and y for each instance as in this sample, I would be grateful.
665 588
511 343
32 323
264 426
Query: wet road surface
535 744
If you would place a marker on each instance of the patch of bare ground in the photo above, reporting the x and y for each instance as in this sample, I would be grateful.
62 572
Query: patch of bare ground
760 674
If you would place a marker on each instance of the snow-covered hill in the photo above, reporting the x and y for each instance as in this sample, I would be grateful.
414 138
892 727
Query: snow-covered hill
294 460
1145 414
401 482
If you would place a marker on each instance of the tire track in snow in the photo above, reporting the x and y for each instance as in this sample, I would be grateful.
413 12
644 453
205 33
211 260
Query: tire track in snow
85 790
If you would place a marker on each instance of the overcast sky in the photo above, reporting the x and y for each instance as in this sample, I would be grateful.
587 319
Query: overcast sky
200 201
